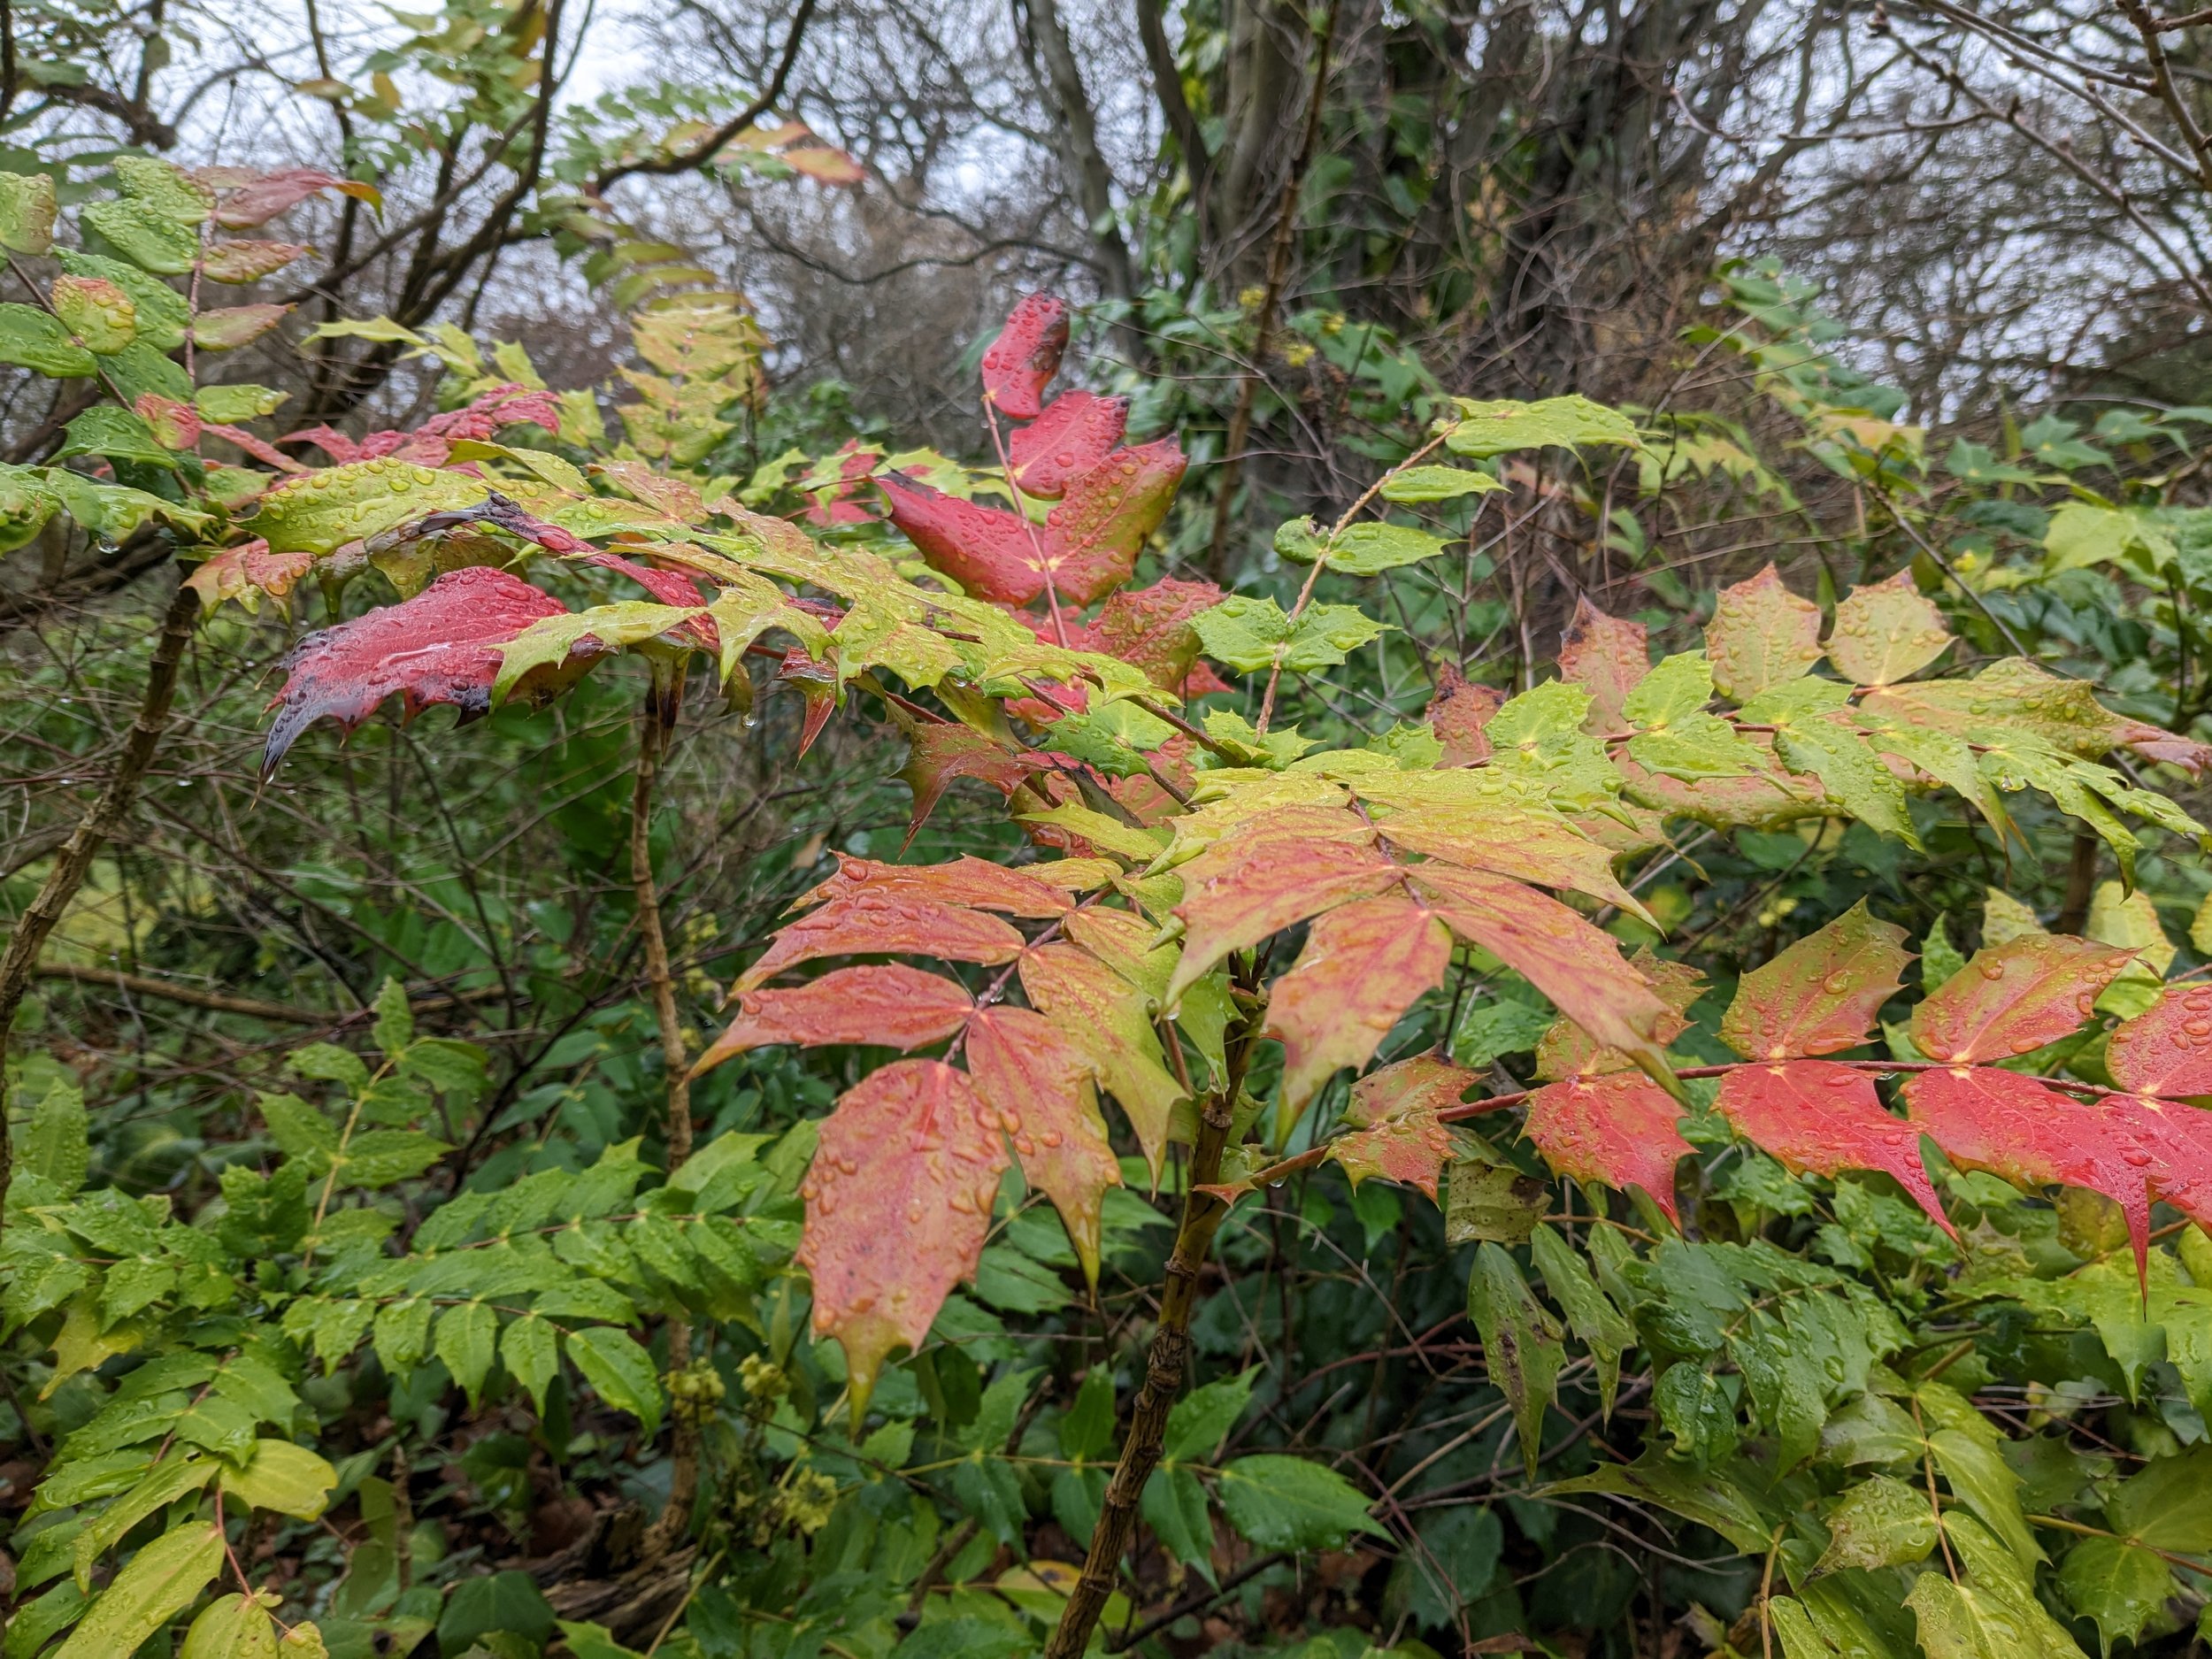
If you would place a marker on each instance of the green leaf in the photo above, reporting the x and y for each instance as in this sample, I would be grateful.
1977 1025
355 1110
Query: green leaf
1368 549
394 1027
1782 1373
1279 1502
1982 1480
592 1641
163 188
2122 1587
116 510
1088 1430
1496 428
1979 1621
162 313
97 312
1707 1497
527 1347
1522 1344
283 1476
323 510
117 434
620 1371
1173 1505
232 1627
236 401
1488 1200
1597 1323
300 1129
1681 684
1879 1523
1250 634
468 1335
27 212
2168 1504
169 1480
381 1156
154 1585
148 239
1201 1419
1415 484
401 1334
510 1602
31 339
55 1146
1696 1411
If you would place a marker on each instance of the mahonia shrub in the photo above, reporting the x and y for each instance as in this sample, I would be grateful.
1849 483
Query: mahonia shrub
1862 1358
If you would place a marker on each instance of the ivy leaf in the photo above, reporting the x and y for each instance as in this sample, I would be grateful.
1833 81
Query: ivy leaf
441 646
1102 1013
1396 1134
898 1203
1761 635
1879 1523
467 1342
882 923
620 1372
1364 965
1025 355
1523 1347
1820 1118
283 1476
1279 1502
2168 1504
890 1004
152 1588
1039 1082
1606 656
1073 434
1250 634
2122 1587
1619 1129
2015 998
2166 1049
1886 633
1820 995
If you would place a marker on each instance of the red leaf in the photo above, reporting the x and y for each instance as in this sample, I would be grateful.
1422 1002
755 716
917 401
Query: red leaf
869 925
1398 1134
991 553
1025 355
1526 843
1821 1118
1618 1129
441 646
938 754
1567 1050
817 685
1072 436
262 199
1151 629
973 882
2015 998
1761 635
1457 715
1364 965
1110 1019
898 1203
1241 890
1985 1119
885 1003
508 405
1575 964
1039 1082
1605 656
1820 995
1097 531
231 572
2166 1049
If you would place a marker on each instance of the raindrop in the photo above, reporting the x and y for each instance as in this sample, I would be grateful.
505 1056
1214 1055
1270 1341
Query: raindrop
1991 970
